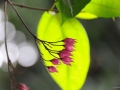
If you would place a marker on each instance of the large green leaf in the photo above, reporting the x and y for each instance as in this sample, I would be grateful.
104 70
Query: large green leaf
49 29
86 15
104 8
70 8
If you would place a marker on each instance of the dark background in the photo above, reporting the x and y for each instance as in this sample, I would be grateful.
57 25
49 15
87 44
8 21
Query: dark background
104 36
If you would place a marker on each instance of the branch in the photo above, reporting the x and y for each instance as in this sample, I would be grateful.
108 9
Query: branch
6 48
41 9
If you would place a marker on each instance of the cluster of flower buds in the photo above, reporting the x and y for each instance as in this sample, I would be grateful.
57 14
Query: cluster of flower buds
64 55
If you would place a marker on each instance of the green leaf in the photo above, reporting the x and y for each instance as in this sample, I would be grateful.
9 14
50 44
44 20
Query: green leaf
70 8
49 29
86 15
69 4
104 8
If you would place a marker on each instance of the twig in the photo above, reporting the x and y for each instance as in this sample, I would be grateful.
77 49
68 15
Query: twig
6 48
52 8
41 9
39 52
20 18
48 50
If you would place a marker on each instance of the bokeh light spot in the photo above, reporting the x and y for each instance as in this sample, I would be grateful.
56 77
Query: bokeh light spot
28 55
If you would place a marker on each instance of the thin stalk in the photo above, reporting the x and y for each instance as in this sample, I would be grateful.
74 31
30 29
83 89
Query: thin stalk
39 53
48 50
25 25
52 42
55 44
6 48
41 9
52 8
21 18
10 66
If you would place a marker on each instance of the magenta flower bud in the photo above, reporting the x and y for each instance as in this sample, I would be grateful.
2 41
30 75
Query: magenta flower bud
64 53
69 44
55 61
67 60
69 40
69 47
52 69
22 86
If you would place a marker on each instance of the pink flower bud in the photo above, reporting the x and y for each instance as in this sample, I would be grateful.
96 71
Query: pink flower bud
67 60
55 61
69 40
22 86
69 47
64 53
52 69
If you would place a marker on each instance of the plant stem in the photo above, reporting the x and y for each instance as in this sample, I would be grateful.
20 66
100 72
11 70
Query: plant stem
41 9
6 48
39 52
21 18
51 9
